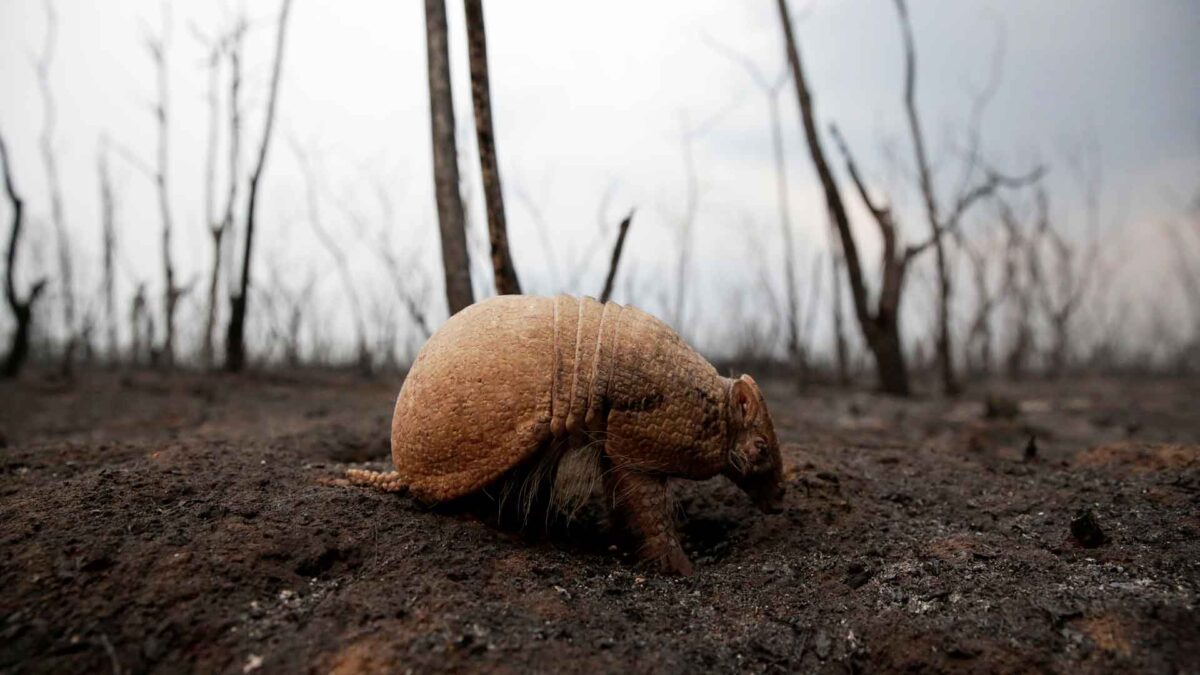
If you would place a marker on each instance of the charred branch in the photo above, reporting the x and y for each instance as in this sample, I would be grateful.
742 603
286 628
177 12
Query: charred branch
21 308
618 247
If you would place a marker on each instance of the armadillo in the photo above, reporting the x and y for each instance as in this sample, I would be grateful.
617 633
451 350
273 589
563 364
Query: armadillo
579 390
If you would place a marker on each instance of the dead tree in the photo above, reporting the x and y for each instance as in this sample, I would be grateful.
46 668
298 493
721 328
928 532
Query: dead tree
1072 280
235 339
287 328
619 246
451 218
979 342
407 288
341 262
21 308
50 161
1020 277
771 90
157 47
936 225
228 45
502 264
880 325
108 208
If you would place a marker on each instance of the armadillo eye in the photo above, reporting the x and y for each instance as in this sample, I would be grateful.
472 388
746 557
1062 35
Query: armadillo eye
761 444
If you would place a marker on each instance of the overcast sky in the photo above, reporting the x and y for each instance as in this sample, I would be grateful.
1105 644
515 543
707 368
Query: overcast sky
592 99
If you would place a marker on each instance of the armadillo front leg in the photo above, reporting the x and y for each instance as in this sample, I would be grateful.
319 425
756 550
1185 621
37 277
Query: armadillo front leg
641 503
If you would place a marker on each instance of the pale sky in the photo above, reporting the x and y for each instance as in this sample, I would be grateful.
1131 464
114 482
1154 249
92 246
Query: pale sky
592 98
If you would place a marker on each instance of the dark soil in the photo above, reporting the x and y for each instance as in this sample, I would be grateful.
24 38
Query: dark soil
199 523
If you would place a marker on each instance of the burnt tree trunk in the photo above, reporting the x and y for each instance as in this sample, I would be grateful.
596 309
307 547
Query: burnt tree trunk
451 219
502 264
881 329
22 309
235 339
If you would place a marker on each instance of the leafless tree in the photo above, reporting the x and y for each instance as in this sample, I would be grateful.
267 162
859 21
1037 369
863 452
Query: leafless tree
979 341
451 218
141 327
157 47
1020 278
619 246
235 341
42 65
340 260
220 48
286 328
21 308
944 347
880 325
502 264
1072 275
405 275
771 88
108 221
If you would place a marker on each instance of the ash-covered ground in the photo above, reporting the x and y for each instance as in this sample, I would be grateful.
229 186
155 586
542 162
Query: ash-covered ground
201 523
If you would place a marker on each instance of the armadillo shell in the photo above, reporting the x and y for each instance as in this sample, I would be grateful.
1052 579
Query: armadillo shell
502 378
492 385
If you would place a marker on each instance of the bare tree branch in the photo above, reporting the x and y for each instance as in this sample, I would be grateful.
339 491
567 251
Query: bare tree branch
616 258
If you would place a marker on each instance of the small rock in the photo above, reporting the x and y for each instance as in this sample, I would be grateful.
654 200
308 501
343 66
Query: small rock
253 663
1085 529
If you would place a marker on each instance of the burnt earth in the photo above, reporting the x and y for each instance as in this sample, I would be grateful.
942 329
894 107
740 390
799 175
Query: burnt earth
192 523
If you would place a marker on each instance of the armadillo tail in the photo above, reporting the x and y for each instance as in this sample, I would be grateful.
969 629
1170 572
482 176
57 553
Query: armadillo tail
386 481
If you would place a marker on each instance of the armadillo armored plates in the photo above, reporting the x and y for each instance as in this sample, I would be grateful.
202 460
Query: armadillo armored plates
576 388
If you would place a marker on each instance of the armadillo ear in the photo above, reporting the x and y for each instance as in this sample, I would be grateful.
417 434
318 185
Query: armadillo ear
745 403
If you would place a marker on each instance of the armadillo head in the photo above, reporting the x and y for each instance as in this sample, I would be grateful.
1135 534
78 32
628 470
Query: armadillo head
754 461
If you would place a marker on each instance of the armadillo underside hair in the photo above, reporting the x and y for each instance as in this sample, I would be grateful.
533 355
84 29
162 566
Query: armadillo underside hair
565 474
